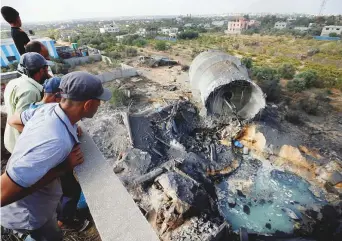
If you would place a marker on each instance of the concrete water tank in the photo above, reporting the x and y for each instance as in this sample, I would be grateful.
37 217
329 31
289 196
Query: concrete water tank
224 85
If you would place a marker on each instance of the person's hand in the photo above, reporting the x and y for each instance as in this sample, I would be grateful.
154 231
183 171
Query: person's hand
79 131
74 158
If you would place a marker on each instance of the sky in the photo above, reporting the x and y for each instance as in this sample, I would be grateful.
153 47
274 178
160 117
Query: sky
52 10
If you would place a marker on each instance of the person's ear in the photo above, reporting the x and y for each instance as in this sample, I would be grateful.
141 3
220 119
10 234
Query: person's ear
88 105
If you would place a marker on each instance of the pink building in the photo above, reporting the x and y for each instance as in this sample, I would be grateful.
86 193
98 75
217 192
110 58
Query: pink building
235 27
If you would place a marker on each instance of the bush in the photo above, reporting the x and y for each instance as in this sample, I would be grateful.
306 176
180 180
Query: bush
268 80
333 35
160 45
103 46
118 97
309 77
248 62
188 35
287 71
114 55
296 85
140 42
313 51
13 66
131 52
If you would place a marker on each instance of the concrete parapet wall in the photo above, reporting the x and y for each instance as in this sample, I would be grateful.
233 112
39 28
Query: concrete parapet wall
116 215
123 72
82 60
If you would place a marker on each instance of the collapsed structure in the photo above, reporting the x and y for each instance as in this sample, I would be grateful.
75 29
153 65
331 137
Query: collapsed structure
225 86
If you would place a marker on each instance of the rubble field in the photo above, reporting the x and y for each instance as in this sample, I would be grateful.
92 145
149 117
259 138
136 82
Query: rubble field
198 177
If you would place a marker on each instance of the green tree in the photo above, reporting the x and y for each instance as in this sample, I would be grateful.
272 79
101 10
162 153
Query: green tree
333 35
188 35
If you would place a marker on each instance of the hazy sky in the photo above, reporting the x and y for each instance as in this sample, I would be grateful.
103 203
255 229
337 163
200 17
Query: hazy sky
50 10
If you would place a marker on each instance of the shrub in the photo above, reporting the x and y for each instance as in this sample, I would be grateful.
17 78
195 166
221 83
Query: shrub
309 77
131 52
296 85
160 45
333 35
188 35
118 97
114 55
248 62
268 80
140 42
313 51
286 71
13 66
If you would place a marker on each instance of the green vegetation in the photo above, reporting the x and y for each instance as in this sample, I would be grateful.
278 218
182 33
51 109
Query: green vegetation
286 71
268 80
333 35
248 62
160 45
188 35
118 98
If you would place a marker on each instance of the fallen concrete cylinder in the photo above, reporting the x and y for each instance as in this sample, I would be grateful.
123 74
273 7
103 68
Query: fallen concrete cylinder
225 86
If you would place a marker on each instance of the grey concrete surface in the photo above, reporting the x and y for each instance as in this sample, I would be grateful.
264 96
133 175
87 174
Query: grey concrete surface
122 72
116 215
81 60
6 77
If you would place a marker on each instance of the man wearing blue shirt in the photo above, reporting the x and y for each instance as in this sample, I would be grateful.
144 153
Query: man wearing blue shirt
47 148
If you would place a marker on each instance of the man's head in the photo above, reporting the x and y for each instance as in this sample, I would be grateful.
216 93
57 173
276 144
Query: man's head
37 47
35 66
11 16
82 92
52 93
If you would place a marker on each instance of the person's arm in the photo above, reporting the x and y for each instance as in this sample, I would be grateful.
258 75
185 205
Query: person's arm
15 122
18 121
11 191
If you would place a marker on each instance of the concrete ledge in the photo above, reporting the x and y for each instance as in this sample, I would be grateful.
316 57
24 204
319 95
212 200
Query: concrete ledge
116 215
6 77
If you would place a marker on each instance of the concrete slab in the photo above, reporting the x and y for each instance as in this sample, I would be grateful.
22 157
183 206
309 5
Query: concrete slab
116 215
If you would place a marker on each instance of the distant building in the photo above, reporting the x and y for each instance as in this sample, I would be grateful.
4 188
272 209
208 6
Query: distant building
312 25
331 29
169 31
122 37
10 54
218 23
206 26
149 32
254 23
237 26
280 25
301 29
188 25
111 28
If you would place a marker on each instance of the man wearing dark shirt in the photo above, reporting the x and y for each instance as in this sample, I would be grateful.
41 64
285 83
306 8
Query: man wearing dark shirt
20 38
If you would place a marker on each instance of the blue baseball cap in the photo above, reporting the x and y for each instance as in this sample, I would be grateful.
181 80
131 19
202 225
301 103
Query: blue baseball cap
52 85
81 86
31 61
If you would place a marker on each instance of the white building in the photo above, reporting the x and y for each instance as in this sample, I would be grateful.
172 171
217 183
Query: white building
280 25
301 29
331 29
169 31
218 23
111 28
236 27
188 25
